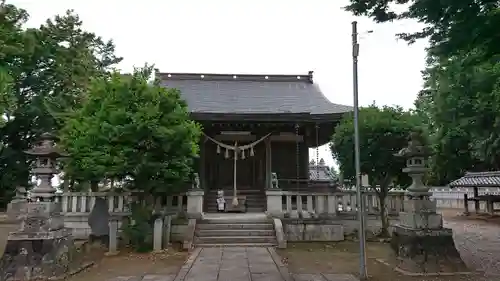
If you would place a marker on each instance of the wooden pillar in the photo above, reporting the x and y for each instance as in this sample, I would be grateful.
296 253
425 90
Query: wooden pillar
268 163
476 202
466 205
203 178
304 160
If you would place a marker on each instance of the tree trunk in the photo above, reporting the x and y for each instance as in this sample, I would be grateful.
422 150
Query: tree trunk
94 186
384 232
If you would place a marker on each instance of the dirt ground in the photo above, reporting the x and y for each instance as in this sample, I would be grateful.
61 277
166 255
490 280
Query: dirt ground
343 257
128 263
125 263
476 238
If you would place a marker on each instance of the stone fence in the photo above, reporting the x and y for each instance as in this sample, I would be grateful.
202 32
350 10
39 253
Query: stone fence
453 198
343 202
76 207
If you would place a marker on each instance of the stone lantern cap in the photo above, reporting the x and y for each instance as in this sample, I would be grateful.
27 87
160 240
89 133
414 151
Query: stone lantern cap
46 147
416 147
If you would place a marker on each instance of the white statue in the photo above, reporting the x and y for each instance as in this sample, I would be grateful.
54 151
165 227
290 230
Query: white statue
221 202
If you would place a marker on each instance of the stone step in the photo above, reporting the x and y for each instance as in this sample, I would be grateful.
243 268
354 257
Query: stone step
248 198
233 239
248 210
215 245
227 226
248 205
248 195
235 221
255 203
233 232
252 195
230 191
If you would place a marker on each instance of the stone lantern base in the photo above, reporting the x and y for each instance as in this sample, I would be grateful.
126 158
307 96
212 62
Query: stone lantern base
41 249
421 243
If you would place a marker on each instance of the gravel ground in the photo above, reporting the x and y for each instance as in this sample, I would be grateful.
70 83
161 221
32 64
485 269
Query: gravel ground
478 243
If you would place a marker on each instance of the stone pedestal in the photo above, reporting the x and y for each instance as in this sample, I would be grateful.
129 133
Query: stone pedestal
41 248
195 203
274 202
420 242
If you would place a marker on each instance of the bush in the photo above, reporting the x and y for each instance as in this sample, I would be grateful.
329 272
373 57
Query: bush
140 231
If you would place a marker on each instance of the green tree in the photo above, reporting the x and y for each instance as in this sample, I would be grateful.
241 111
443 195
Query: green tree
383 132
7 101
460 105
451 26
49 68
130 130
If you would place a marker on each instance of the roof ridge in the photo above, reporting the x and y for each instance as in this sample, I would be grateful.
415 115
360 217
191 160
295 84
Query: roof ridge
482 174
236 77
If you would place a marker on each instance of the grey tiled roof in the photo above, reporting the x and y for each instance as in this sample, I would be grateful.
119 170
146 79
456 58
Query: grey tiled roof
480 179
320 172
251 94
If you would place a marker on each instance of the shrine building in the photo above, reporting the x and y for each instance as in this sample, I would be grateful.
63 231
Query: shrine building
257 126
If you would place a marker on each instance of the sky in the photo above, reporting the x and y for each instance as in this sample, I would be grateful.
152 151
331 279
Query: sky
256 37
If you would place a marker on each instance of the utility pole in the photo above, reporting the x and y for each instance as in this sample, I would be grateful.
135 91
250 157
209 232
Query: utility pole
359 196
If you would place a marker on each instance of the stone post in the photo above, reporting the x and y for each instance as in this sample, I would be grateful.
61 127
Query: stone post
157 235
113 236
195 200
167 229
42 248
419 240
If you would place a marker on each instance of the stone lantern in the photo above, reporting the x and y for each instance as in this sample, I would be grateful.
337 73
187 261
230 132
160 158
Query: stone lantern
46 153
416 154
41 248
419 240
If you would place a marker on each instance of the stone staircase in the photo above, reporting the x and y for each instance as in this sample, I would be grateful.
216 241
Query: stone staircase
255 199
234 230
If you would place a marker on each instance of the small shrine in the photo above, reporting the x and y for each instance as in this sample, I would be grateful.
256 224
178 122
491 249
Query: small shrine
41 248
420 242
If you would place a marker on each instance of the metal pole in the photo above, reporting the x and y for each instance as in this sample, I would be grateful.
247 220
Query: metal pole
359 196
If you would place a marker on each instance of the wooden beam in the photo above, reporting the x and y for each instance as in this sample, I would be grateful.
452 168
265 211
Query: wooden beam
235 137
287 138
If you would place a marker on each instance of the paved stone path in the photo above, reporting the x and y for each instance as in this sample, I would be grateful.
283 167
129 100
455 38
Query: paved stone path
242 264
236 264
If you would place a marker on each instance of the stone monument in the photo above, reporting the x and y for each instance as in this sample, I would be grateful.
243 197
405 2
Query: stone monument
99 221
420 242
16 206
41 248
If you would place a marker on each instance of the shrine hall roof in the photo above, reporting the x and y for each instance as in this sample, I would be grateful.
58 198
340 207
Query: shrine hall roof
320 172
478 179
251 94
